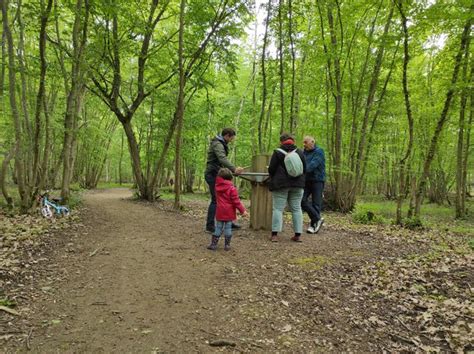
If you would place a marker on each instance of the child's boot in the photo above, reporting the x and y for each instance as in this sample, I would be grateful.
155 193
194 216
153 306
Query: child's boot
213 245
227 243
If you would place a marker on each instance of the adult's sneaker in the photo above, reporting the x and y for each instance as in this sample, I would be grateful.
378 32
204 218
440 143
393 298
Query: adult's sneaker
310 229
318 225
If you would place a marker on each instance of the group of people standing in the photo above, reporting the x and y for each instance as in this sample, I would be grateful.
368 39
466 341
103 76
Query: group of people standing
296 179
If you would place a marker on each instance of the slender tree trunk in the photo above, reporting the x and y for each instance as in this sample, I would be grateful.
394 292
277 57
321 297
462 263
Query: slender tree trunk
281 68
337 92
40 97
254 75
293 122
24 87
121 160
3 64
19 152
356 101
368 106
180 107
460 183
467 145
264 81
406 95
43 176
3 176
76 93
465 38
135 157
24 100
378 111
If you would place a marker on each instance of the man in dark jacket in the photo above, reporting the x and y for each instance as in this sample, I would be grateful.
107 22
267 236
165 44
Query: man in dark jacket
314 185
217 158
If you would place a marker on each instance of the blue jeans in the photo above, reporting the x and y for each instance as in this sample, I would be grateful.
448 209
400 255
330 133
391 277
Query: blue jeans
211 211
313 208
225 226
279 199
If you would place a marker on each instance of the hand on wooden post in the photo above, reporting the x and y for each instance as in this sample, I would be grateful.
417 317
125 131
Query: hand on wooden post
239 170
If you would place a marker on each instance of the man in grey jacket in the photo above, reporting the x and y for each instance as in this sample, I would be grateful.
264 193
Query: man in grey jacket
217 158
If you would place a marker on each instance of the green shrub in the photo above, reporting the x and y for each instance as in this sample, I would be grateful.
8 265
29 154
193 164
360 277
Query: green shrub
471 243
413 223
362 215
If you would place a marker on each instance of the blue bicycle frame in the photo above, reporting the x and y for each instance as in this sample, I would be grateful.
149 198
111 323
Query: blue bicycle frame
47 207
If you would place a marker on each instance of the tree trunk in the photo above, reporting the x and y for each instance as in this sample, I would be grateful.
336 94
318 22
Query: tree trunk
406 95
460 183
465 38
120 172
76 93
368 106
467 145
264 81
337 92
356 101
179 107
293 68
19 151
281 68
40 98
135 159
3 177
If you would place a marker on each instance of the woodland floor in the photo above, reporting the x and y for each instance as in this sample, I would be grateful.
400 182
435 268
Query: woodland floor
126 276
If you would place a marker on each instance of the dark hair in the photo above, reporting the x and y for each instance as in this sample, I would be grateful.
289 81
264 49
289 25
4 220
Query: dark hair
228 131
225 173
286 136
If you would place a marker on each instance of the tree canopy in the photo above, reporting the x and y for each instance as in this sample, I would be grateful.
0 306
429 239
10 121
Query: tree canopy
132 91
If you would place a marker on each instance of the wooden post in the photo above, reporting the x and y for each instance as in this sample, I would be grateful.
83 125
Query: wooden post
261 198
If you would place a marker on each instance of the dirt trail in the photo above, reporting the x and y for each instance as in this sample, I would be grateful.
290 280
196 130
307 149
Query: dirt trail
146 288
138 278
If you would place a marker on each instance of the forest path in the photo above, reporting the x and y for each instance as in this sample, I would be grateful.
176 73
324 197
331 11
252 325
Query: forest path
146 288
137 277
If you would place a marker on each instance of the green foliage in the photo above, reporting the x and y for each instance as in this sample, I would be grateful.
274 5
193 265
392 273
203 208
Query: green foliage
225 85
434 216
471 243
7 302
363 214
413 223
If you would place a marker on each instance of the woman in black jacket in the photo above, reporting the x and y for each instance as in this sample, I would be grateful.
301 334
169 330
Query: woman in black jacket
286 188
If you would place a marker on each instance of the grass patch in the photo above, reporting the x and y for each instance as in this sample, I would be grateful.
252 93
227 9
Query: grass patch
167 195
364 214
108 185
7 303
434 216
315 262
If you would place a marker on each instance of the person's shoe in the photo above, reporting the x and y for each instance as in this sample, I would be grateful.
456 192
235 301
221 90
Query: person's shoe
274 238
311 229
227 244
236 226
213 245
296 238
210 230
318 225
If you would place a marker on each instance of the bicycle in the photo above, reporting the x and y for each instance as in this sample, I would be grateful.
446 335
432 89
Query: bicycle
49 208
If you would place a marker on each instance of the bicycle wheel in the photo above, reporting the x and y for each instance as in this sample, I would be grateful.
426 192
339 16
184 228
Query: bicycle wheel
46 212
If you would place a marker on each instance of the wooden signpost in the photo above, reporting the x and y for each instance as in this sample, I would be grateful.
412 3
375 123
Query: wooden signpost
261 197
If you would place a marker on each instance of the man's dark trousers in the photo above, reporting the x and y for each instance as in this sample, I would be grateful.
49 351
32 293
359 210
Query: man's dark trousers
211 211
313 208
